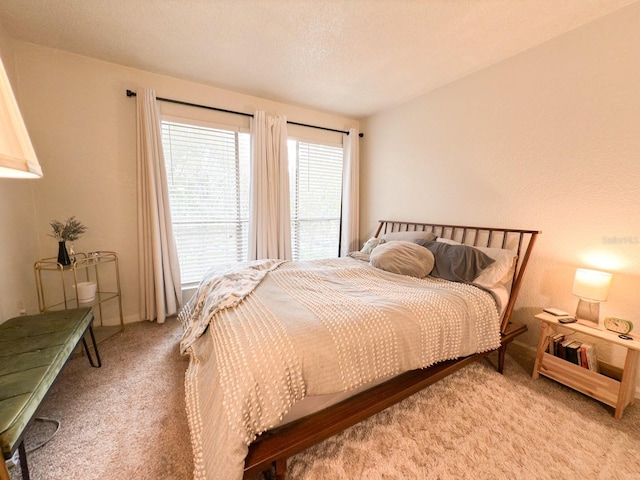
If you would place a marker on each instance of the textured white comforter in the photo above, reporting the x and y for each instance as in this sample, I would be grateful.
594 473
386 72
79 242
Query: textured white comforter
312 328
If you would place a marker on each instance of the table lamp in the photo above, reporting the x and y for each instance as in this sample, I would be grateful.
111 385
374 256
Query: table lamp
17 158
591 287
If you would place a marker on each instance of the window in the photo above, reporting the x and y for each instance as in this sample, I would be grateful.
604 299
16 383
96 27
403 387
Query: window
315 176
208 180
208 176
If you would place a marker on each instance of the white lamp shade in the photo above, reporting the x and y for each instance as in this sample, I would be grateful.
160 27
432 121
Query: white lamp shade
592 285
17 157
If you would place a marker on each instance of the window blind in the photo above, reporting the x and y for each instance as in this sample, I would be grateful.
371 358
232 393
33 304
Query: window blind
208 181
316 196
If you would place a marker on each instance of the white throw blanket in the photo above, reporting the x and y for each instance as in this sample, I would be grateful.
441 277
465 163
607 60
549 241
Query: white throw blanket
312 328
221 288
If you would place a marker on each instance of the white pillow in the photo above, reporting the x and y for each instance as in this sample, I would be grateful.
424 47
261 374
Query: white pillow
408 236
500 272
363 257
403 258
370 244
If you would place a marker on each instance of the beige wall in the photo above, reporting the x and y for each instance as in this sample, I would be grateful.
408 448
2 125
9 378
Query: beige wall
549 140
83 129
18 237
18 244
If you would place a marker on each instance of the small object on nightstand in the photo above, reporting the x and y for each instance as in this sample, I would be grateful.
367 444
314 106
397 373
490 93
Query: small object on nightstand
625 337
618 325
557 312
566 320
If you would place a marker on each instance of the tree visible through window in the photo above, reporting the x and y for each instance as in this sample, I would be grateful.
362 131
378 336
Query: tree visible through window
315 176
208 180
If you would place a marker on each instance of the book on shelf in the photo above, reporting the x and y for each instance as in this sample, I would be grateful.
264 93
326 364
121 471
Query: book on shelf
574 351
571 352
554 341
583 355
592 360
562 348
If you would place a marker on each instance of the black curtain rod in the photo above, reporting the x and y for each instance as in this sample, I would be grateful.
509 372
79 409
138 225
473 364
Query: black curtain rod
131 93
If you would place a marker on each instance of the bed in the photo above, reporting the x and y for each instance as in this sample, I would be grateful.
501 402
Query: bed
285 354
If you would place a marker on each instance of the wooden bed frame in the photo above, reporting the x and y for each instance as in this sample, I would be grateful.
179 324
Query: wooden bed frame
269 452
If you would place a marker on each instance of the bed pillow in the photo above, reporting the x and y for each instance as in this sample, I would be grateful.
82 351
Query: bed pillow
408 236
403 258
458 263
500 273
363 257
448 241
372 243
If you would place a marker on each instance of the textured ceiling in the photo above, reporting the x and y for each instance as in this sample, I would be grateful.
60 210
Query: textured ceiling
349 57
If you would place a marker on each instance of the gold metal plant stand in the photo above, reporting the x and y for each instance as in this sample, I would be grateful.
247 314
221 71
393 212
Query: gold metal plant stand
86 267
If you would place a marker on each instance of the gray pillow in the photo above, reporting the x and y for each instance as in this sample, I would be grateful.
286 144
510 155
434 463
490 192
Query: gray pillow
403 258
458 263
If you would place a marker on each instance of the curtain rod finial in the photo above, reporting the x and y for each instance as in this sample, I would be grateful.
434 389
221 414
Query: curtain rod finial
131 93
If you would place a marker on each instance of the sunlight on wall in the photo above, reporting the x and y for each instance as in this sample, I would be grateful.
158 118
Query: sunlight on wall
607 261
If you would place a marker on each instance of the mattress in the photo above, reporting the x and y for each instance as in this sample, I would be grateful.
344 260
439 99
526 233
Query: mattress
313 330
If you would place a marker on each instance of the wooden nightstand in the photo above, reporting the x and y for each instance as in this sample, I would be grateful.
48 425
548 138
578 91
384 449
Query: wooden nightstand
617 393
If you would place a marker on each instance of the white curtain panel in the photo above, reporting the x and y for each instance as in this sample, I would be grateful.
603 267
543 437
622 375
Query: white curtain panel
270 218
159 271
349 241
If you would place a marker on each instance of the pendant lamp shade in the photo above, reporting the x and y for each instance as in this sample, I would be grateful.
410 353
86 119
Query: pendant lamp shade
17 157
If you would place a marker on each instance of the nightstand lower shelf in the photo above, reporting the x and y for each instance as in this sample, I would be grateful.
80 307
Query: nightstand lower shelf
586 381
617 393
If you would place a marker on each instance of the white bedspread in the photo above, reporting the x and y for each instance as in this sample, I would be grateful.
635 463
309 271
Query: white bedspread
313 328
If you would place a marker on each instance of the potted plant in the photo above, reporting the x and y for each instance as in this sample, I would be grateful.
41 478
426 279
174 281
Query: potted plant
65 232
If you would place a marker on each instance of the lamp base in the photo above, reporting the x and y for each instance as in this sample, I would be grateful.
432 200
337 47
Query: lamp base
589 312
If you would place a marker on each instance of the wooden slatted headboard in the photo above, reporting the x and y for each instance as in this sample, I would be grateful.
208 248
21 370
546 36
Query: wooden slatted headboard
521 241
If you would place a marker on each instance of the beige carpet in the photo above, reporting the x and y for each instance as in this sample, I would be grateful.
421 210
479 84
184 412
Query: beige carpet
127 421
478 424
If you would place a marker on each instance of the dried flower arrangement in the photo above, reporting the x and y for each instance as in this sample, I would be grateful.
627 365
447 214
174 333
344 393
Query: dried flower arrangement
68 231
